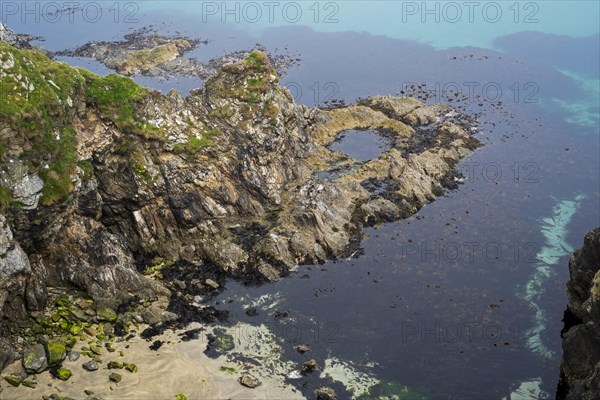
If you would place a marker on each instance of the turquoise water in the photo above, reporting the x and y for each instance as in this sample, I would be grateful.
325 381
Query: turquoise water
441 24
533 190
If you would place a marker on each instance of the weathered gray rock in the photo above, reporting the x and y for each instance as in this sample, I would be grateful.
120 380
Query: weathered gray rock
249 381
74 356
580 366
26 188
7 353
34 358
90 366
155 314
9 36
14 271
13 260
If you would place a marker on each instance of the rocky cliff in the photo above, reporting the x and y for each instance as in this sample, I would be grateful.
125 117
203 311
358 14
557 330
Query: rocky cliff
99 176
580 366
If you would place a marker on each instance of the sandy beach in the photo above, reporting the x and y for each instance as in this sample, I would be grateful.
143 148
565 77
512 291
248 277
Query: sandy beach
176 368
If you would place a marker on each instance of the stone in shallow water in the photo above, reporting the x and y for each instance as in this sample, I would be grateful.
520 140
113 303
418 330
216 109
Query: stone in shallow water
249 381
34 359
74 356
325 393
309 366
302 348
114 377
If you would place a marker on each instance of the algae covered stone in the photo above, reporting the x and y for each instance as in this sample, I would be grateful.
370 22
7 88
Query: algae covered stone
131 368
12 380
114 377
55 351
180 397
64 374
34 358
106 314
30 384
115 365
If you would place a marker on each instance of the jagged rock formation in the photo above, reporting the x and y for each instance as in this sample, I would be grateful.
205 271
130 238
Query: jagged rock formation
98 175
580 366
9 36
148 53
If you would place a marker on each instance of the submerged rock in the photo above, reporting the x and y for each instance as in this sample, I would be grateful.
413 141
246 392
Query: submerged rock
308 366
302 348
325 393
580 365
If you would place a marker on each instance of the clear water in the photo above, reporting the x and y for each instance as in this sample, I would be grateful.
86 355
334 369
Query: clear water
438 302
361 145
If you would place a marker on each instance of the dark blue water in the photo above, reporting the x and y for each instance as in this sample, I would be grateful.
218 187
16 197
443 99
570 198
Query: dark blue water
435 302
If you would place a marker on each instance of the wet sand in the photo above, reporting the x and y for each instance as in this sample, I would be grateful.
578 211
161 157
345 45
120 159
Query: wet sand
176 368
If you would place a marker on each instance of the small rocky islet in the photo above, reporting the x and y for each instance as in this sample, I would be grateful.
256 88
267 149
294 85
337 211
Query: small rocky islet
123 209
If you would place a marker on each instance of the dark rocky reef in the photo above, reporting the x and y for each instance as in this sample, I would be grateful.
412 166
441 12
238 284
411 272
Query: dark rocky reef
20 41
580 366
148 53
99 177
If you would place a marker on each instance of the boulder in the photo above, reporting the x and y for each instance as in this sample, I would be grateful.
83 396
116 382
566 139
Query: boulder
35 359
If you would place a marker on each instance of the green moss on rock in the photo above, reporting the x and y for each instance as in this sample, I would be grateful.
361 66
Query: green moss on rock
117 98
106 314
12 380
5 198
55 351
64 374
131 368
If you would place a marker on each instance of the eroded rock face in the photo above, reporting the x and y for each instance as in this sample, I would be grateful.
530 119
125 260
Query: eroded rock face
580 366
14 272
14 39
229 175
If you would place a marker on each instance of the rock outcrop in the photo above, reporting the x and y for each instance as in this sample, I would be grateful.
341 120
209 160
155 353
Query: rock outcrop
9 36
580 366
99 175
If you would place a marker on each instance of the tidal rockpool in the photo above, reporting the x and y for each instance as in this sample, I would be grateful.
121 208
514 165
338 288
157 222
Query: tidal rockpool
361 145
